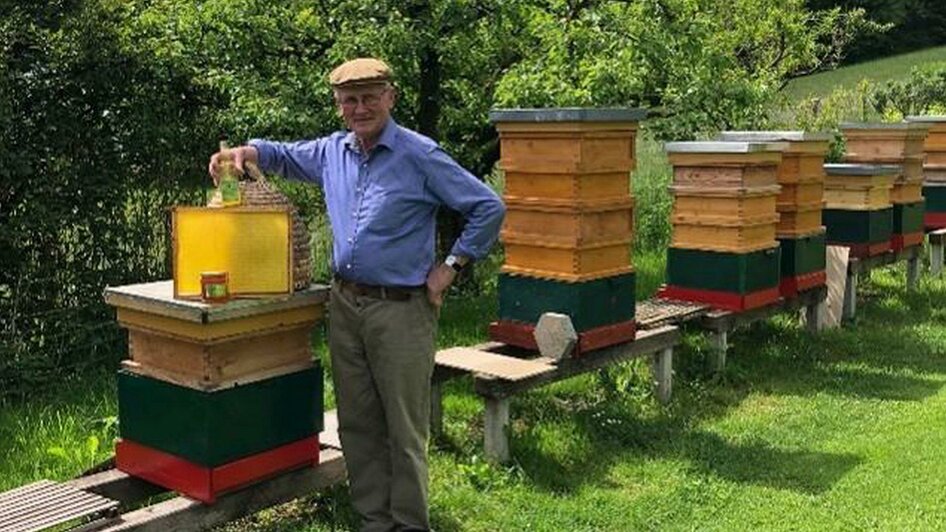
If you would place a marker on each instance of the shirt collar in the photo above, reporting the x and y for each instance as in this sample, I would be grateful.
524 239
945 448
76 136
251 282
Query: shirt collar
387 139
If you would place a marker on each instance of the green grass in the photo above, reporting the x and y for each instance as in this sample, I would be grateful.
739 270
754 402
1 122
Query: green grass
888 68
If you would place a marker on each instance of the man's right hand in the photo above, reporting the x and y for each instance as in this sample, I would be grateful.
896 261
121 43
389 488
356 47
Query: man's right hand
237 155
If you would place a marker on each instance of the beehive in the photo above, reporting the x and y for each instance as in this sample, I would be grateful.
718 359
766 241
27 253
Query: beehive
901 144
934 170
723 246
800 203
569 225
215 397
859 214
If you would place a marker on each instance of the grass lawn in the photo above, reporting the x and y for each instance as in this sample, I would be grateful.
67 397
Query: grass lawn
888 68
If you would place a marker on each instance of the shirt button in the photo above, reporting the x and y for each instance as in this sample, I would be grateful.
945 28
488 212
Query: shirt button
350 240
349 266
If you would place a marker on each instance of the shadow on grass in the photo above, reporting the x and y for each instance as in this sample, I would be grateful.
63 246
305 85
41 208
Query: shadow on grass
611 434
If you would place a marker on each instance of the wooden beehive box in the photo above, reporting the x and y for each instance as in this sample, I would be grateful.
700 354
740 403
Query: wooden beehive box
874 142
252 244
722 165
731 281
572 226
906 192
795 195
552 260
569 155
801 221
741 237
802 155
934 147
209 347
730 204
858 186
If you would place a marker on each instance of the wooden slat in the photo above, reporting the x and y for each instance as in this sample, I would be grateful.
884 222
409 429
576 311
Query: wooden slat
658 312
499 366
646 343
45 504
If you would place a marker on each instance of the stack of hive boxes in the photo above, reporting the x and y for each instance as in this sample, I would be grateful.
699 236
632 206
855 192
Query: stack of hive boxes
799 231
894 144
858 213
723 250
934 170
215 397
569 223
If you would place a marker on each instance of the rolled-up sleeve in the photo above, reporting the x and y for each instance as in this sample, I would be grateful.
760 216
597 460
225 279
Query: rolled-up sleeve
460 190
300 161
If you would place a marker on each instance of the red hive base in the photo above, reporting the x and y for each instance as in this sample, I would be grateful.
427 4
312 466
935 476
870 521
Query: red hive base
934 220
205 483
900 242
790 286
520 335
721 300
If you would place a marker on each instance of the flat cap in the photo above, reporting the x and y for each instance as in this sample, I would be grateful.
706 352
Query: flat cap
361 71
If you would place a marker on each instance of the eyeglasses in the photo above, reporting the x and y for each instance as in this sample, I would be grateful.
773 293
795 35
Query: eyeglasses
367 100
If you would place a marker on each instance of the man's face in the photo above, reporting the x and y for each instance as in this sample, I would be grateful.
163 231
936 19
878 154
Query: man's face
365 109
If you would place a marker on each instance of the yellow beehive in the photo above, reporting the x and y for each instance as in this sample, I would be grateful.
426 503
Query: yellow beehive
724 195
252 244
567 155
568 191
858 186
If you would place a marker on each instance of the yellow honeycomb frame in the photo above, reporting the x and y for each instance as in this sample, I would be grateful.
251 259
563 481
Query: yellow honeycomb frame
252 244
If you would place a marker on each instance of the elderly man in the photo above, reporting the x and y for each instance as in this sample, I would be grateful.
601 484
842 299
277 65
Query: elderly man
382 185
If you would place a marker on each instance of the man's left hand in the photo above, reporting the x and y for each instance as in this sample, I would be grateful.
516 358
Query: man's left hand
438 280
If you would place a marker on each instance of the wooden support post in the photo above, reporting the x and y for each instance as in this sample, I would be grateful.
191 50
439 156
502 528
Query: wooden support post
815 315
663 374
720 346
850 296
436 409
913 272
936 255
496 430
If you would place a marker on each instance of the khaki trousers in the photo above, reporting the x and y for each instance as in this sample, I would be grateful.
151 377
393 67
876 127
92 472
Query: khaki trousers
382 360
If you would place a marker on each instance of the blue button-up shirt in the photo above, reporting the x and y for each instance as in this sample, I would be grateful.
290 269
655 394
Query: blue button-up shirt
382 205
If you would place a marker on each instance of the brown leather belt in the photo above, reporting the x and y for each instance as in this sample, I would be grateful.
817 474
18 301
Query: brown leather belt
390 293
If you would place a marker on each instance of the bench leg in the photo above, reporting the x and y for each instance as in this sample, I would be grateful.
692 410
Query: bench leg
496 430
850 296
936 259
913 273
720 346
663 374
814 316
436 409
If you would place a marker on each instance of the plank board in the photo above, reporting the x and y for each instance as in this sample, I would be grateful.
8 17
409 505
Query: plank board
499 366
46 504
158 298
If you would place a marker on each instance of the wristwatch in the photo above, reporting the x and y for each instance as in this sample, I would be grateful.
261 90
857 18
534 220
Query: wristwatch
455 262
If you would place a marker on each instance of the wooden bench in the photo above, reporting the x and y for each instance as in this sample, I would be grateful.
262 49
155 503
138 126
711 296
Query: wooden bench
496 381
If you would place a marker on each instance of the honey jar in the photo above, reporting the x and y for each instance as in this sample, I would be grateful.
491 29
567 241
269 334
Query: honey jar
215 287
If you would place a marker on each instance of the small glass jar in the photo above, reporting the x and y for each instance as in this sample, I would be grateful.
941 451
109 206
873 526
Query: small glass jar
215 287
